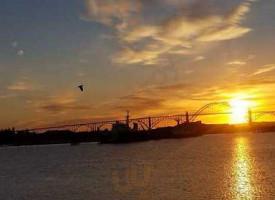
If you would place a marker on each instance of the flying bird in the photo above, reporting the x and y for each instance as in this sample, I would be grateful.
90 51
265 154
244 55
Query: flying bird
81 87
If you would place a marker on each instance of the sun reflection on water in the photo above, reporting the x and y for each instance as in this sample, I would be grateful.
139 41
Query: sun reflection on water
243 170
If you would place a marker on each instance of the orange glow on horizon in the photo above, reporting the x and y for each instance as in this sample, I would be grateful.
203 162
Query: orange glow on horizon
239 110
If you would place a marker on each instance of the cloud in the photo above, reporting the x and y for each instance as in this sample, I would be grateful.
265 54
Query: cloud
172 87
265 69
153 100
19 86
139 103
257 82
3 96
199 23
146 41
239 12
141 33
237 62
80 74
59 104
225 33
198 58
111 12
133 56
240 61
59 108
182 96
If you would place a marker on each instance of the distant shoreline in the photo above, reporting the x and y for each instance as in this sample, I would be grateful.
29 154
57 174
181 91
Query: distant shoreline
10 138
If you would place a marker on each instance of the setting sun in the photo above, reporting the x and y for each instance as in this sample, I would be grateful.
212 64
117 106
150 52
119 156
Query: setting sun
239 110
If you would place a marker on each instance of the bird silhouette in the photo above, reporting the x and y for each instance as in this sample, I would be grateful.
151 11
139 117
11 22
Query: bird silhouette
81 87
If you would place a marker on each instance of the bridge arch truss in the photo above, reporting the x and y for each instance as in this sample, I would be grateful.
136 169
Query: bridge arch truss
212 109
258 115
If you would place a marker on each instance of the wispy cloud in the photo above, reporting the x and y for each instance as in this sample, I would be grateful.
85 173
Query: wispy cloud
60 108
111 12
198 58
58 104
240 61
19 86
80 74
265 69
237 62
153 100
192 26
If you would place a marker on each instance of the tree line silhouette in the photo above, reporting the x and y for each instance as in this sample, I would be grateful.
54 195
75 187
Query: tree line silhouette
12 137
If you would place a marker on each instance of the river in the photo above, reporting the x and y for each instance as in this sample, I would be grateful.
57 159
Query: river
233 166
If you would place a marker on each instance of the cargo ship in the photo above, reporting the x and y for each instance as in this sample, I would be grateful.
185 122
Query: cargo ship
122 133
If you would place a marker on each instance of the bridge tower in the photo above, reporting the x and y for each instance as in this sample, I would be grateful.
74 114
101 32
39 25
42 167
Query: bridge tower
149 123
187 117
250 121
127 118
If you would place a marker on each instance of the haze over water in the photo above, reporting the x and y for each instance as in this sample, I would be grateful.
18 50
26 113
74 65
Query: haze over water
237 166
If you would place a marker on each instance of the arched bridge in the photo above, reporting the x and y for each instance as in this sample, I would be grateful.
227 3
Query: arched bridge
217 108
147 123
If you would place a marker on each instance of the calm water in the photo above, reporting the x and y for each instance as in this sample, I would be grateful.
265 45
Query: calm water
237 166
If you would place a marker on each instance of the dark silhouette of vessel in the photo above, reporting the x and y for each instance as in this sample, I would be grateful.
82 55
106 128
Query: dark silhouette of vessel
122 133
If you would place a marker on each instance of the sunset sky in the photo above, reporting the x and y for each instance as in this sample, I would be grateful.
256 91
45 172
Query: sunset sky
149 56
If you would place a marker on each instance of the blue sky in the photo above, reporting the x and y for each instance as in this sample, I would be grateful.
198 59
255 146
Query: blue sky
152 57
